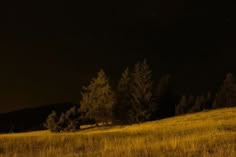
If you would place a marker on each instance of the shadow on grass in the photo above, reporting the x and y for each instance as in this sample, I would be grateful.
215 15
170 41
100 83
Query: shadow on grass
101 127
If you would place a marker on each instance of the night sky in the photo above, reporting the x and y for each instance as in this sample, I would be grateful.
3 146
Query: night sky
50 49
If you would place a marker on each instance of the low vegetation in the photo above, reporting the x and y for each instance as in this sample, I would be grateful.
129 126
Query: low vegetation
208 133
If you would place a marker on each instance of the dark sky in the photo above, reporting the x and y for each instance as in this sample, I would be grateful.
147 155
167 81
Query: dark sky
49 49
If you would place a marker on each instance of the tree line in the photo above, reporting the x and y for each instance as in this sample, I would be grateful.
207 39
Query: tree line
136 99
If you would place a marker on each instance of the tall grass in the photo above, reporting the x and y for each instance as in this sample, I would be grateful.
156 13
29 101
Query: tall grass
203 134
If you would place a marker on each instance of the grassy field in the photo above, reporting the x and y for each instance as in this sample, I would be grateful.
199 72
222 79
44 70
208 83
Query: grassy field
209 133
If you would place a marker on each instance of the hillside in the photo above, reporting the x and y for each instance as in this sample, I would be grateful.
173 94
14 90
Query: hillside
209 133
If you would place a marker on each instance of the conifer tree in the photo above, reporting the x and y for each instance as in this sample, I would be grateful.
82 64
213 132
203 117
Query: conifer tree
198 105
72 119
98 99
68 121
52 122
165 98
141 93
62 123
226 96
209 101
121 108
182 106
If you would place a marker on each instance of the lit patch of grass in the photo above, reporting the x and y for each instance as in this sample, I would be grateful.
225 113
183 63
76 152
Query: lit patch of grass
209 133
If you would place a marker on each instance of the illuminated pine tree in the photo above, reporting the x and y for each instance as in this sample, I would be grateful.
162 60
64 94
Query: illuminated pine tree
141 93
98 99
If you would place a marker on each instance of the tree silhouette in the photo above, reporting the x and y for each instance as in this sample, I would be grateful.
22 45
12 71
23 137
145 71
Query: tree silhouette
182 106
209 100
198 105
185 105
122 106
165 98
226 96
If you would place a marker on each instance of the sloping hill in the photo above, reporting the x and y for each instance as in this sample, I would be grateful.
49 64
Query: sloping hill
209 133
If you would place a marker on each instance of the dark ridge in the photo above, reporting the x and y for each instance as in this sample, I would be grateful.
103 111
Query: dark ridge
29 119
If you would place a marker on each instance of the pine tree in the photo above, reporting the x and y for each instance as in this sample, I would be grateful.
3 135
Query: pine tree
198 105
165 98
68 121
182 106
226 96
121 108
203 101
98 99
72 119
52 122
141 93
190 103
209 101
62 123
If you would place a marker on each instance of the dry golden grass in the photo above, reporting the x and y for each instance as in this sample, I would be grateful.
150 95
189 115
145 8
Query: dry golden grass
203 134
